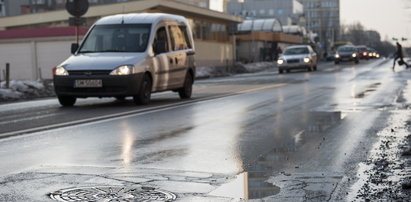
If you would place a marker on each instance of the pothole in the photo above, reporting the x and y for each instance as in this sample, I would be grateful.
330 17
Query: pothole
113 193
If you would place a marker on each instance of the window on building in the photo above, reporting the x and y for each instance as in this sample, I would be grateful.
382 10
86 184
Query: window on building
262 12
208 31
271 11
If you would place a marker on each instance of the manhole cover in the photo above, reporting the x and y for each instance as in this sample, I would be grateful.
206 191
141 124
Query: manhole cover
112 194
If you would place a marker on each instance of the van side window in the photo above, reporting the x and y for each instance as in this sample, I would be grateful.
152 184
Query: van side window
183 28
160 44
178 41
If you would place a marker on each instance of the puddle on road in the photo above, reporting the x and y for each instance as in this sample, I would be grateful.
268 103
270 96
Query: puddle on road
369 89
247 185
253 183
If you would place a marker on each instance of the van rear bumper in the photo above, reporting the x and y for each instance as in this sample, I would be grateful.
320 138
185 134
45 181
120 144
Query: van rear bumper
112 86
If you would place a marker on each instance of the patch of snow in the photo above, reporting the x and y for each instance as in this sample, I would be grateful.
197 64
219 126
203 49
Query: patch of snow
21 89
206 72
10 94
258 66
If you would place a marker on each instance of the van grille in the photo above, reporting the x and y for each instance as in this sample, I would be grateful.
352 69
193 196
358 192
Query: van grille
89 73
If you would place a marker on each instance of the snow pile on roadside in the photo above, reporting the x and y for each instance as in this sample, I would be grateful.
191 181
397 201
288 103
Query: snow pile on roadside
23 89
207 72
253 67
9 94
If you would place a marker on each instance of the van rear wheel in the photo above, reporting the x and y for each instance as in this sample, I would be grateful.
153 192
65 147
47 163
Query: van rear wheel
144 94
67 101
186 91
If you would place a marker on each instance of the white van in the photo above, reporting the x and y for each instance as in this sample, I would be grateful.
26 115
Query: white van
129 55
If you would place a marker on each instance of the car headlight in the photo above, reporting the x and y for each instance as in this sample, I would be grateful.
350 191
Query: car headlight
354 55
364 54
280 61
60 71
337 56
370 54
123 70
306 60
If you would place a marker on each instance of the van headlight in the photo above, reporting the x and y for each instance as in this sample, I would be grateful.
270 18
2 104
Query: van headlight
306 60
60 71
354 55
123 70
337 56
280 61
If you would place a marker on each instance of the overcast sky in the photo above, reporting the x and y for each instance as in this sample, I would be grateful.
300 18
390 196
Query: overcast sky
389 17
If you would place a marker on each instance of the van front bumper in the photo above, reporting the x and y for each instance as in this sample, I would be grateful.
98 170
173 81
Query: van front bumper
112 85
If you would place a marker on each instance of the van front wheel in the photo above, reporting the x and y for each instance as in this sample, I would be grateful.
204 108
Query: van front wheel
144 95
67 101
186 91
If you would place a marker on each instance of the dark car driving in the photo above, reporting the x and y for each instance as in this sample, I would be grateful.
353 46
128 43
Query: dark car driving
363 51
347 53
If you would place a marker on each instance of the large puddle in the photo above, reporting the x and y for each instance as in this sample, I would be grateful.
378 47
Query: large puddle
247 185
252 184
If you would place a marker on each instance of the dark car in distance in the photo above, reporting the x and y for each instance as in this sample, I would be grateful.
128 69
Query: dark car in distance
363 51
347 53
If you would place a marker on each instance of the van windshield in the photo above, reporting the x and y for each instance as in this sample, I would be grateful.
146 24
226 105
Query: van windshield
117 38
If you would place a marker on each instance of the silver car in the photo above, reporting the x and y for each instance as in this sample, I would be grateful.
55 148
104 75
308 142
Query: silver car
297 57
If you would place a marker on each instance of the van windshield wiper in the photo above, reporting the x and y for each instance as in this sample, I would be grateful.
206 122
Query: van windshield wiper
101 51
112 50
87 51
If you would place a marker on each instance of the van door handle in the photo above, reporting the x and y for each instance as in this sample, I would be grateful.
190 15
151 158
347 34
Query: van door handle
190 53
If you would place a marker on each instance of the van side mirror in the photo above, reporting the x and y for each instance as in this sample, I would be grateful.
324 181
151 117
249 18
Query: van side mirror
74 47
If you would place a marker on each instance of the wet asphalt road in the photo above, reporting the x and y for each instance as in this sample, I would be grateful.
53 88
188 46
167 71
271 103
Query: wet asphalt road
290 137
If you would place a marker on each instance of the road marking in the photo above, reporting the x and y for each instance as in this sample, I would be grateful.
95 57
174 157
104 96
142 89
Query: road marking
25 119
135 112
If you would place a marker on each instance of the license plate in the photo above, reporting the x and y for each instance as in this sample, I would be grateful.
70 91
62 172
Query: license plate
89 83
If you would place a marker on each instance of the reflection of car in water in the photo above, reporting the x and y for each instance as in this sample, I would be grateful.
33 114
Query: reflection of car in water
297 57
129 55
347 53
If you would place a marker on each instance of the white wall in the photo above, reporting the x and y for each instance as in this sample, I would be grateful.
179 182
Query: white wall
51 54
213 54
29 57
20 58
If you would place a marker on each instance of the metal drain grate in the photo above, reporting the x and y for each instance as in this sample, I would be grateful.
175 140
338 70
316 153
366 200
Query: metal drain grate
112 194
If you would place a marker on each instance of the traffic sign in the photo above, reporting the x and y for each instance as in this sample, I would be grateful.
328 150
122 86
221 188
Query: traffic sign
77 8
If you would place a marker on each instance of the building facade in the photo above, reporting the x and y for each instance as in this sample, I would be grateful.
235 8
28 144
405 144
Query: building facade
2 8
323 17
13 7
288 12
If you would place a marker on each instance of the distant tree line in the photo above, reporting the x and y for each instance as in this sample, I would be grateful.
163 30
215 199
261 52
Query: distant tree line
358 35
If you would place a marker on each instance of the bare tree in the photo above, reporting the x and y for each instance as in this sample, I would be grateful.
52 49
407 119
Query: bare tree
358 35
